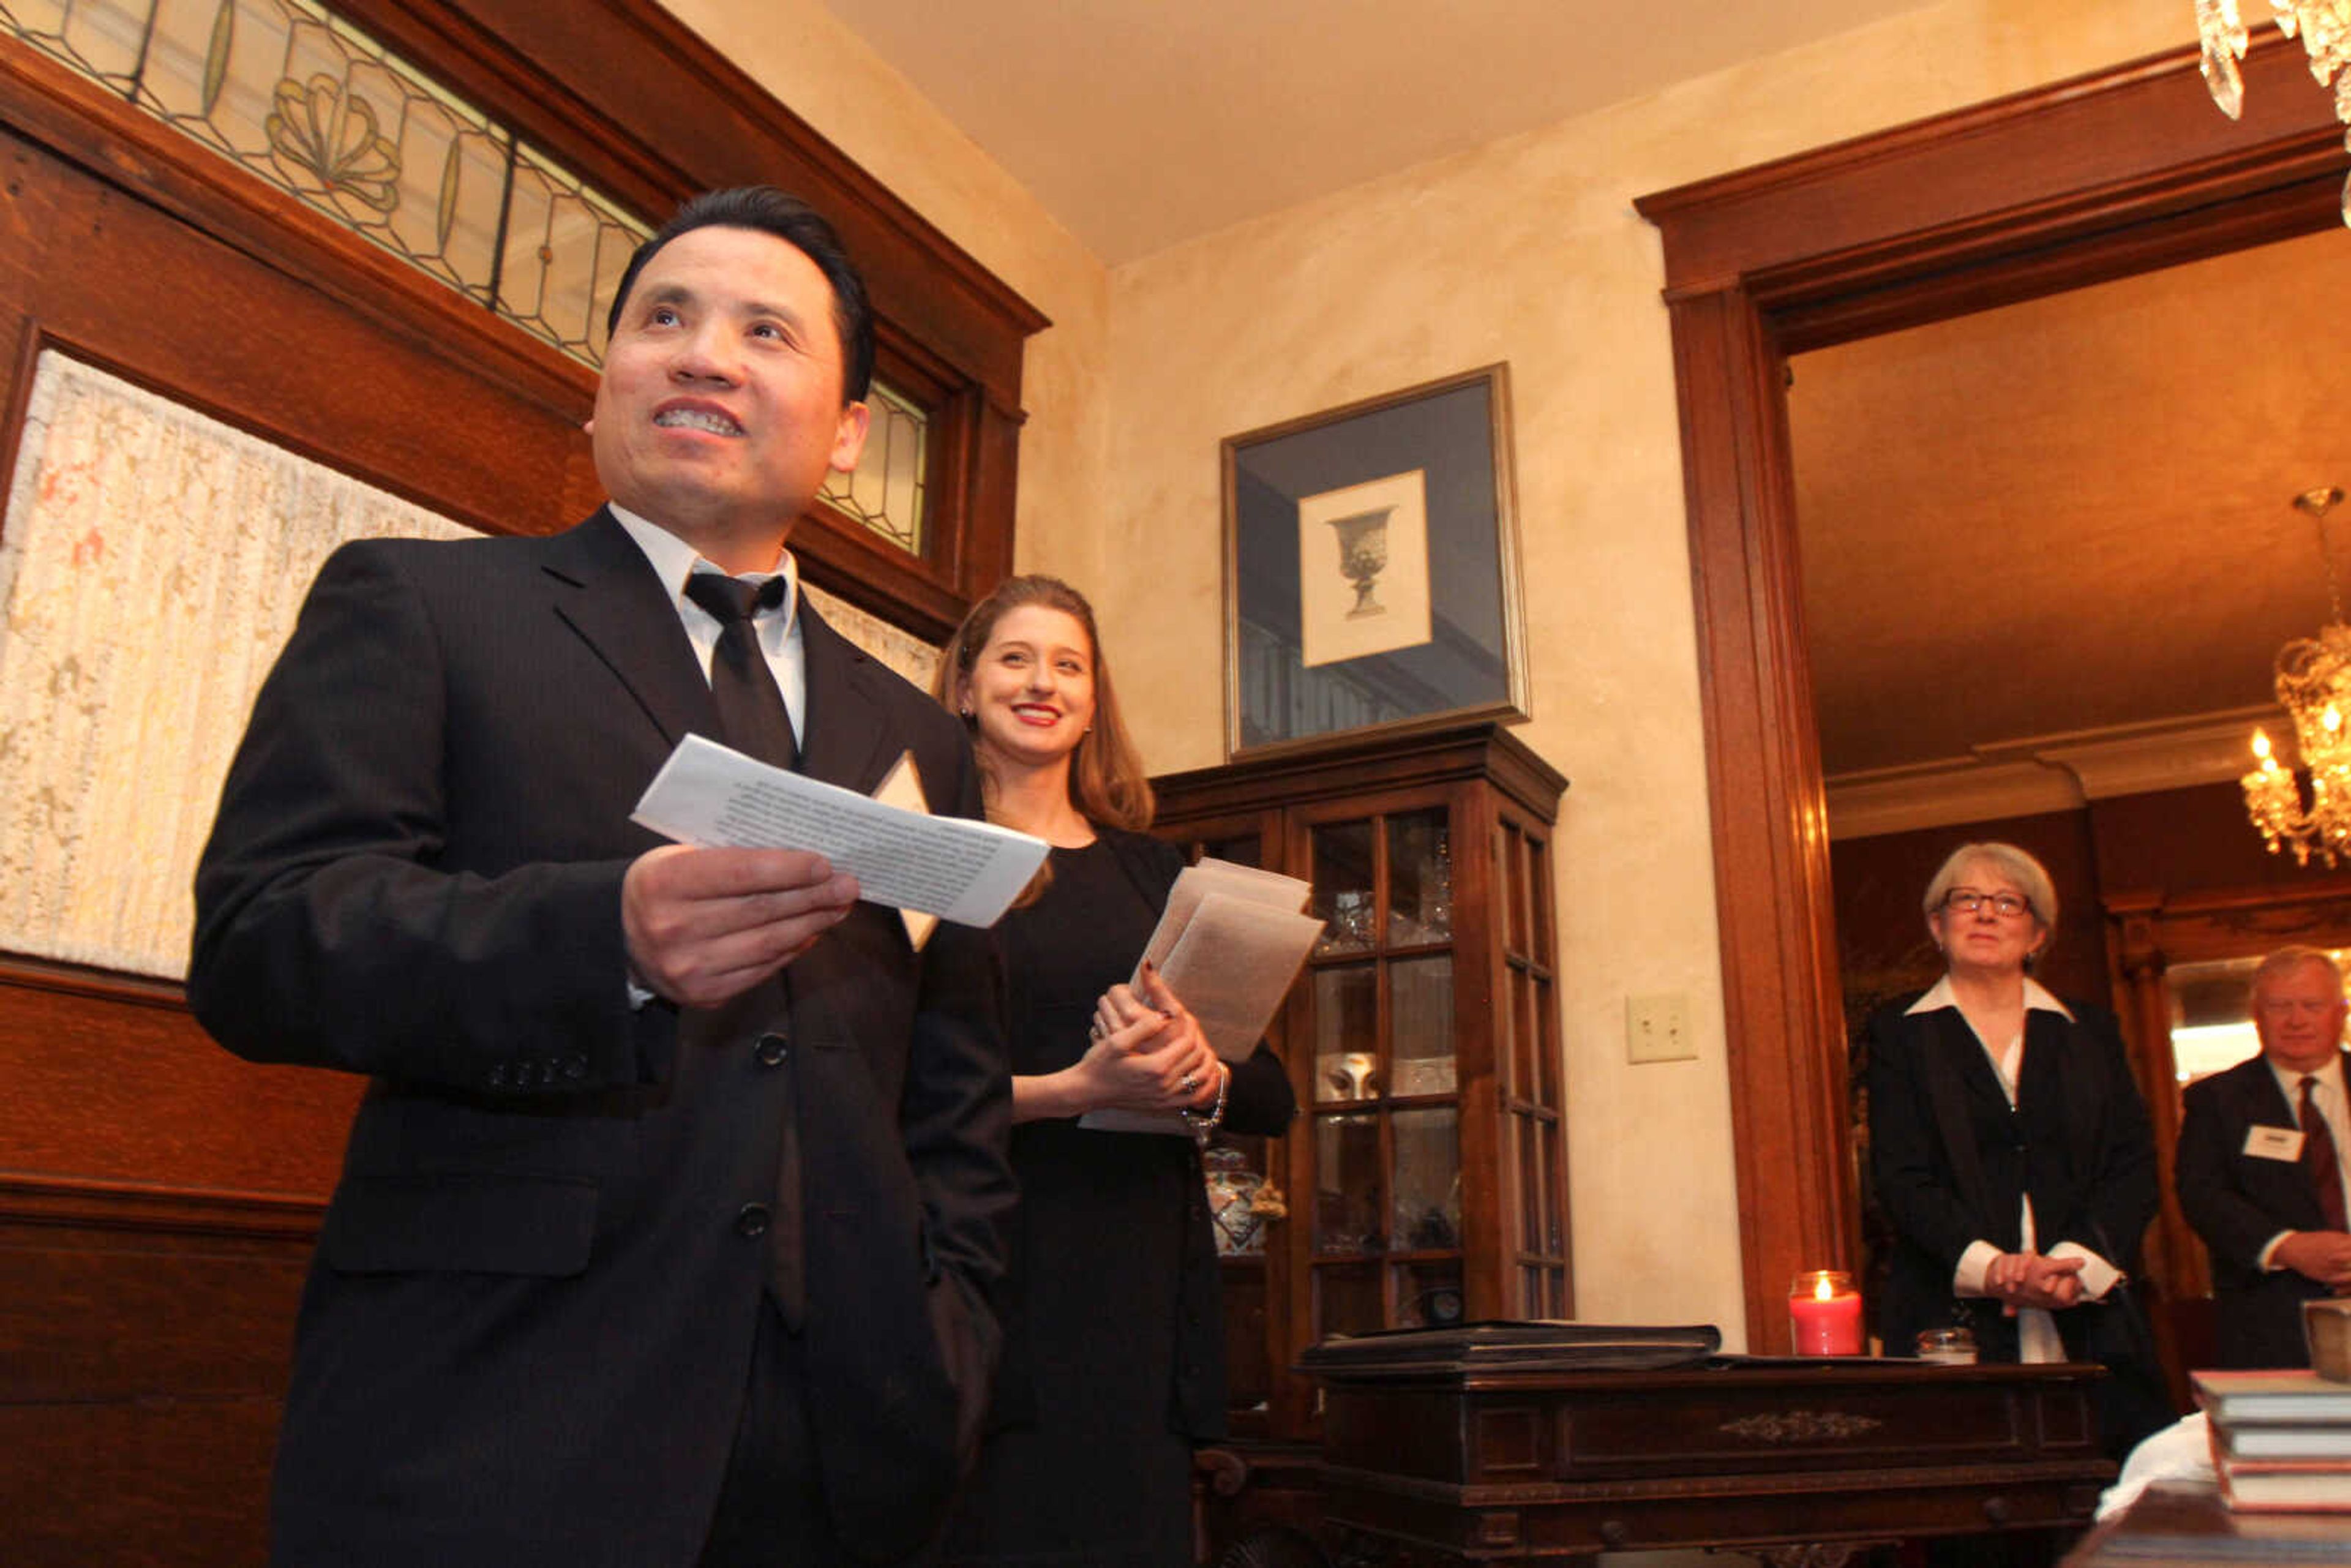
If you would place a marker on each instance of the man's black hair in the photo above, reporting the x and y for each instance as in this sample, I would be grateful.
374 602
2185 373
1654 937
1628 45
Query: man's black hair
767 210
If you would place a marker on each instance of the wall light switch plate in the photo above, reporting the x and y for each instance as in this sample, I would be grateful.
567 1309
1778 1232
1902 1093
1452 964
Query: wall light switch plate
1657 1028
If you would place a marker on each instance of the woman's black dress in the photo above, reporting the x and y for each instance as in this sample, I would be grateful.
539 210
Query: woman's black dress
1113 1363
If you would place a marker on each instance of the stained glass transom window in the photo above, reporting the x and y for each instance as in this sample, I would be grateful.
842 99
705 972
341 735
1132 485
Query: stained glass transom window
885 493
298 96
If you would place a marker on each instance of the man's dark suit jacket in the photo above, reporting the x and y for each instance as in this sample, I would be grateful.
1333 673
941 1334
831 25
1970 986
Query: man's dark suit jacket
2237 1203
1951 1162
526 1334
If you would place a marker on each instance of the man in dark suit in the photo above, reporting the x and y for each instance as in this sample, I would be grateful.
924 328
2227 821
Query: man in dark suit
2261 1171
666 1226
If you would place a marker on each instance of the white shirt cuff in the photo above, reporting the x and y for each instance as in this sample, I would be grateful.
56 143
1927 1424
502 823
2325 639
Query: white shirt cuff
2098 1275
1967 1279
2268 1260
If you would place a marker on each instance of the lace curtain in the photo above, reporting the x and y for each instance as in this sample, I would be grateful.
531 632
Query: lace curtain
150 566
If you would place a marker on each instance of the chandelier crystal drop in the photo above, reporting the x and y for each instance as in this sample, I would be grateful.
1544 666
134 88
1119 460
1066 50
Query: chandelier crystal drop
2313 687
2325 28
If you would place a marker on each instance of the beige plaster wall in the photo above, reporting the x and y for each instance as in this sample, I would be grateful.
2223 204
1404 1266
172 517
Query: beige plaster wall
829 76
1526 250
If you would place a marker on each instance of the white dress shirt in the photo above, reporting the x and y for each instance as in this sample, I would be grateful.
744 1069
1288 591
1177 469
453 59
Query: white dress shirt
674 560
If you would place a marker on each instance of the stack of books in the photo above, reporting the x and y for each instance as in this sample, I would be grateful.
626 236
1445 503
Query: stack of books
2280 1440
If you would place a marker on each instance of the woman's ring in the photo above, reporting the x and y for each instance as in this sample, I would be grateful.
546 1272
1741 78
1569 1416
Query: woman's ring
1188 1083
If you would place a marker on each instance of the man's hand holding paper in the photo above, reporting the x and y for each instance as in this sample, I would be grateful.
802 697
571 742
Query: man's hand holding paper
960 870
704 926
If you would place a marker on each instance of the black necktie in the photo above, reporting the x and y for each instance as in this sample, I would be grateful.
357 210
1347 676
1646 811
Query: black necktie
752 713
750 706
2318 1160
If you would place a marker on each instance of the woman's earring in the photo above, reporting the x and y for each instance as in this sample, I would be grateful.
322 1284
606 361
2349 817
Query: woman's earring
965 710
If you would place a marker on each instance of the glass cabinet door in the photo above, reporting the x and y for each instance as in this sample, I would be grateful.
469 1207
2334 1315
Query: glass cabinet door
1385 1108
1423 1182
1527 1063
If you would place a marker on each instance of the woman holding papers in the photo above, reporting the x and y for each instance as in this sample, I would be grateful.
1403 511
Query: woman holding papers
1113 1355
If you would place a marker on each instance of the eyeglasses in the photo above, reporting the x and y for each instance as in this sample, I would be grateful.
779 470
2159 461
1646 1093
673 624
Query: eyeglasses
1967 900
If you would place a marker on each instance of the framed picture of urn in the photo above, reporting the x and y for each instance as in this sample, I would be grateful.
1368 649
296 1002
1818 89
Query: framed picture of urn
1371 569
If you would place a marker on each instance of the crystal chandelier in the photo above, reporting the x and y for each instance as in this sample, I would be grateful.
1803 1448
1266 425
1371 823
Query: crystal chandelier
2313 685
2325 26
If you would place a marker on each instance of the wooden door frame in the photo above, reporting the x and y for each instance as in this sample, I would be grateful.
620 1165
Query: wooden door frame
2126 171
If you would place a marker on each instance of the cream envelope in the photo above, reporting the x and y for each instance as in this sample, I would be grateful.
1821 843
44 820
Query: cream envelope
903 787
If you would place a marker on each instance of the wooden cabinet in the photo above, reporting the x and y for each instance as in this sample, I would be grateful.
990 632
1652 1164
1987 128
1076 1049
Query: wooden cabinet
1424 1181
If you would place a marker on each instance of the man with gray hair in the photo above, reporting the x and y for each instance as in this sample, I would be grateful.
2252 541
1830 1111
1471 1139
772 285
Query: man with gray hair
2261 1171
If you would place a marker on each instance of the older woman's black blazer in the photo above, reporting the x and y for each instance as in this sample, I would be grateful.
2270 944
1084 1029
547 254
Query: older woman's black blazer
1951 1162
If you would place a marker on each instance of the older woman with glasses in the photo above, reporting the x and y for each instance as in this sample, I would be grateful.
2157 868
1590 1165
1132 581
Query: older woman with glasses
2009 1149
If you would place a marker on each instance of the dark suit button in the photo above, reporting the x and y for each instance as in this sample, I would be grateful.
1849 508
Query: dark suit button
575 1067
751 1220
498 1074
771 1049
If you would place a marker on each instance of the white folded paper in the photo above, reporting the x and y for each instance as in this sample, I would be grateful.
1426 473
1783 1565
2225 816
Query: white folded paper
711 796
1228 945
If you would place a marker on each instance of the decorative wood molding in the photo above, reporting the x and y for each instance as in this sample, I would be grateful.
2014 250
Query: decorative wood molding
2115 172
676 119
1802 1426
1941 794
149 1210
129 990
2047 773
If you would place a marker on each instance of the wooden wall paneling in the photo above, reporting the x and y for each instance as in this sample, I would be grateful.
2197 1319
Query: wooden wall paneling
682 118
137 172
2123 170
944 322
449 418
143 1352
158 1197
2175 1259
114 1085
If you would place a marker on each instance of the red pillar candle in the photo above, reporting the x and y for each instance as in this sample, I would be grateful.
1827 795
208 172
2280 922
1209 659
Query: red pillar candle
1825 1314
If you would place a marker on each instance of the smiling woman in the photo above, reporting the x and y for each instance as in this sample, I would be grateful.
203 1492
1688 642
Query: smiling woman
1114 1357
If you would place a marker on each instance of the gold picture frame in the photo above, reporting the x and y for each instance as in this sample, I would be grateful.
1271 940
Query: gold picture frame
1371 569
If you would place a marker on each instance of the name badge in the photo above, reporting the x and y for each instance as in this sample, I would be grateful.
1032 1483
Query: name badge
2273 1144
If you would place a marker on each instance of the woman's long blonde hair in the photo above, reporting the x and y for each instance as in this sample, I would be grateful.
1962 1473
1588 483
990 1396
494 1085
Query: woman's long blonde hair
1107 783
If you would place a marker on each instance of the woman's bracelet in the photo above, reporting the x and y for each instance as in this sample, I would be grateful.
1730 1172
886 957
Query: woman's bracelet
1204 1126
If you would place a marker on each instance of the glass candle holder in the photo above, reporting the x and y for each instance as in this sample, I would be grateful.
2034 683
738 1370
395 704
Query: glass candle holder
1947 1347
1825 1314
